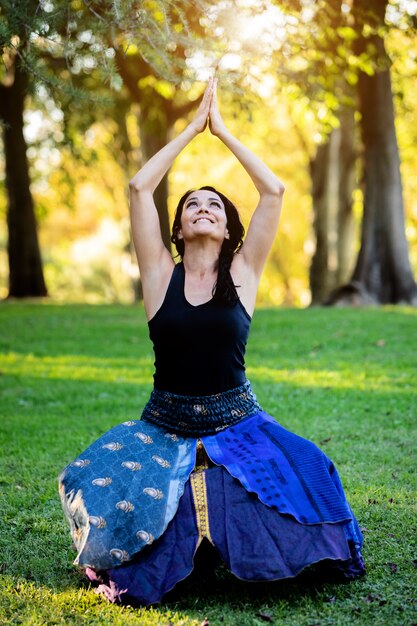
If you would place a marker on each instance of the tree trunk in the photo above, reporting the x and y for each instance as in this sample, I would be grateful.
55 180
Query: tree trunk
157 118
319 268
383 266
154 138
25 264
383 273
347 183
333 181
125 154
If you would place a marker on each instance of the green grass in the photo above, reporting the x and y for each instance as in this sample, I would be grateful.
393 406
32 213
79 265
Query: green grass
344 378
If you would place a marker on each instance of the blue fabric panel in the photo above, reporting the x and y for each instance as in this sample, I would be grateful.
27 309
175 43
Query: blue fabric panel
258 543
159 567
122 492
255 542
285 470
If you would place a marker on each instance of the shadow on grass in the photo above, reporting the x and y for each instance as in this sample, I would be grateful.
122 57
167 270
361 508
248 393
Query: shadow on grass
211 583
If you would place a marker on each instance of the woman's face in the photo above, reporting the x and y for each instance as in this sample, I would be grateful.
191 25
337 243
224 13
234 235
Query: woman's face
203 215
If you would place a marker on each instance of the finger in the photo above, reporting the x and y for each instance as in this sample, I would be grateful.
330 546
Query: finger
208 92
208 102
205 104
215 89
213 102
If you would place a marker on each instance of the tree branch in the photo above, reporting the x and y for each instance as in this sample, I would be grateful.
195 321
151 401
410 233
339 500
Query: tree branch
129 79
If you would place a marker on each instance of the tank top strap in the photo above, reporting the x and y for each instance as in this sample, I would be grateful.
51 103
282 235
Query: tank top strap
174 293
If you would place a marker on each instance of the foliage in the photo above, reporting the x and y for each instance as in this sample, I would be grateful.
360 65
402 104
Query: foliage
280 64
402 49
343 378
80 37
86 226
78 194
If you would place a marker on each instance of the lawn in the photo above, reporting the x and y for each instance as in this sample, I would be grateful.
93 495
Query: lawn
345 379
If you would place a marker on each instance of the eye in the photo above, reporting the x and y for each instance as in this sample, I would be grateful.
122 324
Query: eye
216 204
191 203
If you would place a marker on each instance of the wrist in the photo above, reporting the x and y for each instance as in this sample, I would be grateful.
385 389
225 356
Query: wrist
192 130
222 133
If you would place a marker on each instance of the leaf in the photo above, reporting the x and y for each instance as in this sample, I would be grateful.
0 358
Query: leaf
393 567
165 89
351 77
369 598
374 598
346 32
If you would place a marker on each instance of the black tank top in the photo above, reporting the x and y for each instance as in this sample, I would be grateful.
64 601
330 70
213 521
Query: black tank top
199 350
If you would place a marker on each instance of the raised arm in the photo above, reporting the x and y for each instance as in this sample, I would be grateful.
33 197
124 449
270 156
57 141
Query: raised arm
264 222
155 261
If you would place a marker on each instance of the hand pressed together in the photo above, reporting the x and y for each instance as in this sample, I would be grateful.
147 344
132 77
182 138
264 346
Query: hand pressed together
208 111
216 123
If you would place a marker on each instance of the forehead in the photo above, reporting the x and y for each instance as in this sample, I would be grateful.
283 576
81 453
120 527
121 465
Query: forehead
204 194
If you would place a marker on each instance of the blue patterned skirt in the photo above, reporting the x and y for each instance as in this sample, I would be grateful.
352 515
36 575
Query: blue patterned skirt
141 499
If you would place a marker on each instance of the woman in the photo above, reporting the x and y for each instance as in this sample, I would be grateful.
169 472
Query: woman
204 463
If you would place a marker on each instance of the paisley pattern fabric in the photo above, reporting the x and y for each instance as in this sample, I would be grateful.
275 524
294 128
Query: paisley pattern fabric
196 416
121 493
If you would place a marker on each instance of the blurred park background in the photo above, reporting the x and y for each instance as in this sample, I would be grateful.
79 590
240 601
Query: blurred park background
324 92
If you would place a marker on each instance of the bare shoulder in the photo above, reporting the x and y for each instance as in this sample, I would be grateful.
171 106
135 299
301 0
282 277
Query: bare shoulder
155 283
246 281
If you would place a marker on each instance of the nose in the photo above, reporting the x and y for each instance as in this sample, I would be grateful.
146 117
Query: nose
203 208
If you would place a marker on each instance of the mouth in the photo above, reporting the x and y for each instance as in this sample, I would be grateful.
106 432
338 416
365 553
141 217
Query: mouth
203 219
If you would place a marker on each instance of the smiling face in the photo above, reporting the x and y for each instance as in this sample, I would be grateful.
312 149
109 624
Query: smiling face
231 232
203 214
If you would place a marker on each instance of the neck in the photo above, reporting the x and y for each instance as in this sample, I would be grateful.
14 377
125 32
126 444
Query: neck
201 260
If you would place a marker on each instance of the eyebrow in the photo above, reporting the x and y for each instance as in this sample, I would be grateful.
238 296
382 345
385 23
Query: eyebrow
211 199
